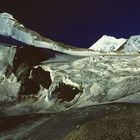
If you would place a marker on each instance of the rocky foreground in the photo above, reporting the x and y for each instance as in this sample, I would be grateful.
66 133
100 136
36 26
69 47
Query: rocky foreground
104 122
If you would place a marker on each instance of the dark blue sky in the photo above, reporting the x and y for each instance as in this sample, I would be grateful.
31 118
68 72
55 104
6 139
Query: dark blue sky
77 22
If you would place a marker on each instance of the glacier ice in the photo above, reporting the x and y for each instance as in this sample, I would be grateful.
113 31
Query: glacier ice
106 72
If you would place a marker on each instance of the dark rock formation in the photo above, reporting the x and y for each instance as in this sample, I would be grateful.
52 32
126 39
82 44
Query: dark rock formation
66 92
23 65
42 77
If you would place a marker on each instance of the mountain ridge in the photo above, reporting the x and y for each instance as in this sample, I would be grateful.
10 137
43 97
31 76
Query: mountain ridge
10 27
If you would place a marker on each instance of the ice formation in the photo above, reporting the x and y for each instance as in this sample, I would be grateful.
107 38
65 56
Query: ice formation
106 72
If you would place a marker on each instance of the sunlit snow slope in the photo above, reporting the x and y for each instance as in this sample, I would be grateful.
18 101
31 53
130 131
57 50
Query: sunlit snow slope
108 44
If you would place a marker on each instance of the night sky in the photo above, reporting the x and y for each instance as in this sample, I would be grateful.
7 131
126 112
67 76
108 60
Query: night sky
77 22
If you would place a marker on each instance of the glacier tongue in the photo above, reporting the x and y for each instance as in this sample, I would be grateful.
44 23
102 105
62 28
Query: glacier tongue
55 85
38 82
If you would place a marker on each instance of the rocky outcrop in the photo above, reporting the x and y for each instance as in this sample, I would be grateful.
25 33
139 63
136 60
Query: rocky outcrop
66 92
20 66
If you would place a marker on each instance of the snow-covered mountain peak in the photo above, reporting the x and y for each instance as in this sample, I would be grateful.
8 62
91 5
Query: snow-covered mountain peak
108 44
105 46
7 15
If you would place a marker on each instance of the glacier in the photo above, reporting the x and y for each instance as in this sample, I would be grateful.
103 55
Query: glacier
10 27
106 72
50 90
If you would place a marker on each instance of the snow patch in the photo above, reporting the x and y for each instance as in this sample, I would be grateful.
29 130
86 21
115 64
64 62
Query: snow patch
108 44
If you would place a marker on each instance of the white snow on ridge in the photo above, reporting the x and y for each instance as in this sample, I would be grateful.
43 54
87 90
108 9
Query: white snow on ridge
108 44
10 27
5 25
133 44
